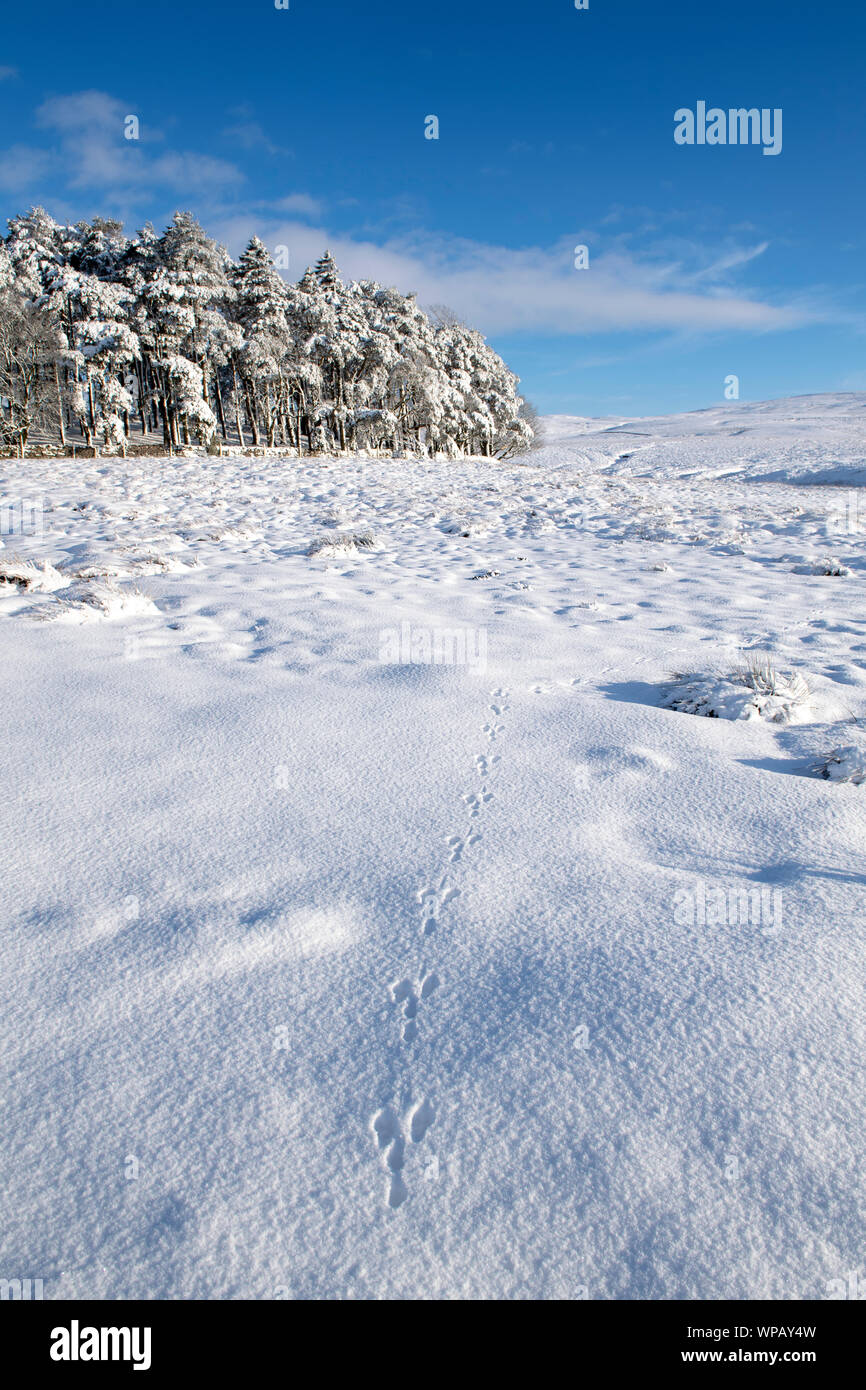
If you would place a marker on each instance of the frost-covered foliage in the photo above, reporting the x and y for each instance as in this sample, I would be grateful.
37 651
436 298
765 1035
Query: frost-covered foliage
846 764
755 690
92 602
168 333
26 575
342 544
27 346
828 568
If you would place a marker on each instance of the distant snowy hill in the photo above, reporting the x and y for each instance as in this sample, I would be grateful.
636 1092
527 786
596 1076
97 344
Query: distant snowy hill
820 439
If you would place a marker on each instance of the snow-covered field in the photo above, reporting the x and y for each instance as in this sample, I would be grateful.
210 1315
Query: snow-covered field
332 969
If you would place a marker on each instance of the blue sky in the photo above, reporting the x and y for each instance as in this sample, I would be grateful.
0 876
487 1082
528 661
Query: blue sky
306 126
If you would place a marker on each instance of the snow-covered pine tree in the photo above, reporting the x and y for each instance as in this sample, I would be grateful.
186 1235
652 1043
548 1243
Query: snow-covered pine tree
100 347
35 245
100 249
27 341
260 310
188 296
138 267
326 272
169 326
7 270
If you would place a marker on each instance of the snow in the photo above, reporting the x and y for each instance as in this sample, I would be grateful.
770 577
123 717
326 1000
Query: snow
336 970
329 546
26 575
846 764
94 602
828 567
784 698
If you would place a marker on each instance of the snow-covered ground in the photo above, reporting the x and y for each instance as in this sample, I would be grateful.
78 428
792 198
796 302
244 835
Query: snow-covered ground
333 970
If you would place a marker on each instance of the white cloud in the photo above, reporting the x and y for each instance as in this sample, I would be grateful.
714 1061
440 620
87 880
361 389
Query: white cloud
535 290
642 281
95 154
21 166
6 73
300 203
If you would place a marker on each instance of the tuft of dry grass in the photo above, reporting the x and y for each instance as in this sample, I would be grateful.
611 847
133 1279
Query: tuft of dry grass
342 544
759 673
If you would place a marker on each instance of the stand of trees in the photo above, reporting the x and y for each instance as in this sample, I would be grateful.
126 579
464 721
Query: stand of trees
104 337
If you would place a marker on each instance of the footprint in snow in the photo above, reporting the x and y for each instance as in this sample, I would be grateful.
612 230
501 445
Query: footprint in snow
457 846
392 1144
476 801
433 900
411 994
421 1120
386 1127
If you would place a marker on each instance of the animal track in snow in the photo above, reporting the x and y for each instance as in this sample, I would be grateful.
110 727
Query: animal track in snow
457 846
476 801
394 1136
421 1119
411 993
392 1144
491 730
432 901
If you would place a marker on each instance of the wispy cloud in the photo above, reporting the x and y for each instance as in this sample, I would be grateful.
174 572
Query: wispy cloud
6 73
537 289
641 278
300 203
22 166
250 135
93 152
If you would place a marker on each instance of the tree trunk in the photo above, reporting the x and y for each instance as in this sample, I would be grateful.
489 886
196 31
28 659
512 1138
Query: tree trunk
142 393
238 406
166 423
59 404
269 416
251 415
219 401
